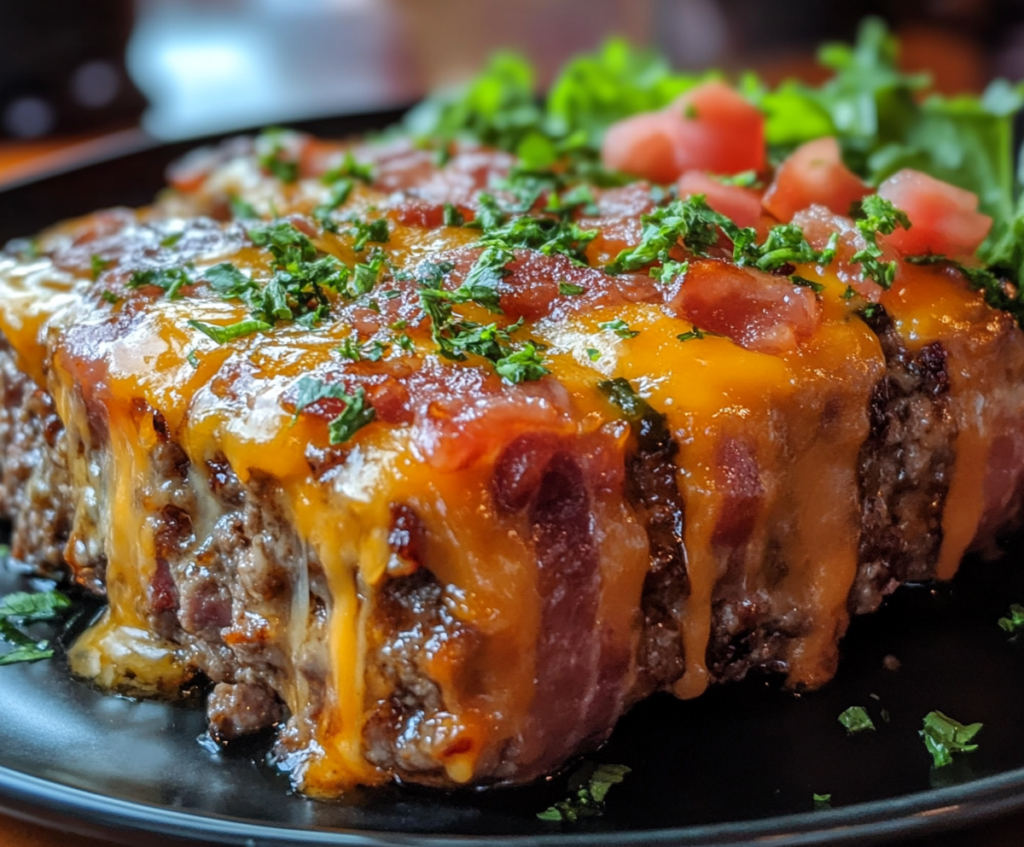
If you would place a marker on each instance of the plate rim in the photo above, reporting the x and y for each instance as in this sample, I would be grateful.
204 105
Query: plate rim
60 806
31 797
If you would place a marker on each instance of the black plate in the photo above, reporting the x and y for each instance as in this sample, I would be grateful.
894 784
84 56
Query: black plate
736 766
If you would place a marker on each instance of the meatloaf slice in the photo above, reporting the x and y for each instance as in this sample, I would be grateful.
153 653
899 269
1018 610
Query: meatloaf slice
429 548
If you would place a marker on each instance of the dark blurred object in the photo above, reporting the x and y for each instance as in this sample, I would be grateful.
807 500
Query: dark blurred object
62 67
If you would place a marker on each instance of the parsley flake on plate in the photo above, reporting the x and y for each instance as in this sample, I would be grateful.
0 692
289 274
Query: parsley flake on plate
943 736
1014 622
856 720
588 797
20 609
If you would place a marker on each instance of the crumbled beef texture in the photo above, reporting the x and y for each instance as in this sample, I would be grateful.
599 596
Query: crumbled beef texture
904 467
35 488
410 628
241 709
653 491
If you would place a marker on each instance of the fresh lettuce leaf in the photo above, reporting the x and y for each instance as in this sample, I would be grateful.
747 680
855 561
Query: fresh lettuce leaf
595 90
499 107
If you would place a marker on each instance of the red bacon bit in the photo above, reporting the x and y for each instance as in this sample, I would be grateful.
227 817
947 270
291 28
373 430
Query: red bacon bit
756 310
413 212
813 174
462 414
738 479
520 469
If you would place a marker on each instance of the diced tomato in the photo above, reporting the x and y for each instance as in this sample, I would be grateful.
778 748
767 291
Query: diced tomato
758 311
945 219
814 173
710 128
721 131
645 145
740 204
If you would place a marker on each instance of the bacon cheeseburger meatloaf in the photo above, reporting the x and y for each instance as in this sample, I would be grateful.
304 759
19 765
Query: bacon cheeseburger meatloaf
439 456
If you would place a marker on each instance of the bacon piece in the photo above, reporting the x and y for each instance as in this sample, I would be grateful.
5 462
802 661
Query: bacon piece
758 311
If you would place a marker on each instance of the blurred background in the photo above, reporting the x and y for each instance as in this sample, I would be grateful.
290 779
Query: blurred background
72 70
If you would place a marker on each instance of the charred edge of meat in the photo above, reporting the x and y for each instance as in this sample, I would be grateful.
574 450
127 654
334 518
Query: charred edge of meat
410 628
904 467
652 489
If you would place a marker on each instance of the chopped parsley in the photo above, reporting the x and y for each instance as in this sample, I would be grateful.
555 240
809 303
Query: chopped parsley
944 736
98 265
171 280
455 338
694 223
348 167
110 297
694 334
521 365
568 289
372 351
593 354
20 609
856 719
357 412
338 195
620 328
816 287
1014 622
376 231
241 210
171 240
877 216
224 334
274 157
588 794
669 271
548 235
452 216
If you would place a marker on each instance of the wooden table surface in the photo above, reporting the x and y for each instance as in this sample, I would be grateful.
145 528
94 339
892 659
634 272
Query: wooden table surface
20 159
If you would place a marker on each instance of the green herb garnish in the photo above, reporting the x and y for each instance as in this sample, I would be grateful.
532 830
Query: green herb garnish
98 265
587 800
877 216
1014 622
274 157
944 736
171 280
224 334
856 719
620 328
20 609
348 167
